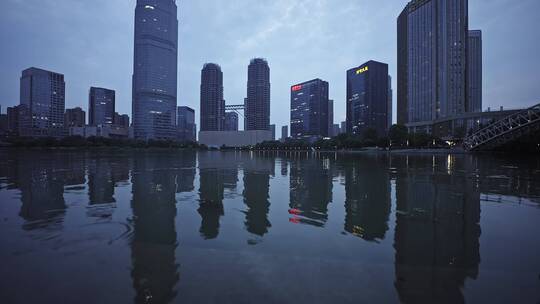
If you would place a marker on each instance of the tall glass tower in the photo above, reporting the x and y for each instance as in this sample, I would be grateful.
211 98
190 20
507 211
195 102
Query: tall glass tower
258 95
155 69
212 102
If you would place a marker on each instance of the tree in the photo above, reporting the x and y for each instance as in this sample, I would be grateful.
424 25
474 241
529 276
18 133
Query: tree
398 135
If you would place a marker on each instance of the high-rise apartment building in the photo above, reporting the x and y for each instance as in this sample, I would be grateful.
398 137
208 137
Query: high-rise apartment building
187 128
155 69
475 71
42 103
367 98
231 121
257 103
75 117
309 110
212 102
101 106
432 60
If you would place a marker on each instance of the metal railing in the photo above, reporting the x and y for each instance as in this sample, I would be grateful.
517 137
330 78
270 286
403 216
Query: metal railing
505 130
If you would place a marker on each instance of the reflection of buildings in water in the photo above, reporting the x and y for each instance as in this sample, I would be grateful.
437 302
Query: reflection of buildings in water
310 191
284 167
367 197
155 272
437 232
187 170
256 194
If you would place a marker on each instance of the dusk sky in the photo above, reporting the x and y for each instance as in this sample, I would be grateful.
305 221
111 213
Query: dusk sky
91 43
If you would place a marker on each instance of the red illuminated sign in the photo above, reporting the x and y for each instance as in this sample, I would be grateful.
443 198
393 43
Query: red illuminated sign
296 88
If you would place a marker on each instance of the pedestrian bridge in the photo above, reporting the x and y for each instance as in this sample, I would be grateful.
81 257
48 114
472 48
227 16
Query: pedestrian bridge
505 130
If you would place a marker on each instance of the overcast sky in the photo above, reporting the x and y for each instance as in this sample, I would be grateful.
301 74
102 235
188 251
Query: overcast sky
91 43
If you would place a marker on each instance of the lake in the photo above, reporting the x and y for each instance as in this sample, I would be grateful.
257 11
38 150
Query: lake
122 226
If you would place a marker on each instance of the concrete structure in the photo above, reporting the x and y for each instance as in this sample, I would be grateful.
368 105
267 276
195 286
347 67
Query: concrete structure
155 69
284 133
75 117
367 99
234 138
212 102
187 129
42 101
475 71
309 110
101 106
432 60
257 113
106 131
231 121
121 120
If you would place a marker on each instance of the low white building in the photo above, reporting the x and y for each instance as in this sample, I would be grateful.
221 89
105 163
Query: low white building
100 131
234 138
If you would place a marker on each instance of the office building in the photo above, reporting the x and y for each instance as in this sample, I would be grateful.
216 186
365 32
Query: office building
284 133
13 119
432 60
75 117
212 102
101 106
273 130
330 118
187 129
3 124
42 103
336 130
309 110
390 102
343 128
475 71
231 121
367 99
257 103
155 69
121 120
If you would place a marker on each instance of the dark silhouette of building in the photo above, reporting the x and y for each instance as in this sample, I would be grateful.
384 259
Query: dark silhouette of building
75 117
121 120
256 194
367 99
13 119
212 102
43 103
309 110
211 193
475 71
257 103
231 121
331 118
155 69
101 106
432 60
187 129
284 133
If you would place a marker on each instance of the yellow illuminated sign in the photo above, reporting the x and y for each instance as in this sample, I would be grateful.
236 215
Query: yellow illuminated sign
362 70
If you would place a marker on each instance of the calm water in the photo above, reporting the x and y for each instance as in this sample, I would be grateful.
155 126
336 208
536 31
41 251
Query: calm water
211 227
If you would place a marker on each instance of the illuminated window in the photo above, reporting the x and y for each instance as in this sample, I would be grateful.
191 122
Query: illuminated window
149 7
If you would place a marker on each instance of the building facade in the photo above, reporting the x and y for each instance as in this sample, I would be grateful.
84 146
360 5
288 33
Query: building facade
309 110
75 117
187 129
121 120
284 133
330 118
13 119
432 60
367 99
42 103
155 69
257 103
231 121
101 106
475 71
212 102
273 130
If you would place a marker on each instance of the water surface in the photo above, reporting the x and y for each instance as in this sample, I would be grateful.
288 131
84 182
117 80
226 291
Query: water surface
168 227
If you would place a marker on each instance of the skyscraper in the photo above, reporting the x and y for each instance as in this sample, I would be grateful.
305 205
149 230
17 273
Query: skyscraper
367 98
475 71
101 106
284 132
155 69
390 108
75 117
273 129
231 121
121 120
212 102
186 124
258 96
42 103
432 60
309 110
331 118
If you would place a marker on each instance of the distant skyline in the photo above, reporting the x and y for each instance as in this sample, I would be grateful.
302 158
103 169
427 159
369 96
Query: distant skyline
91 43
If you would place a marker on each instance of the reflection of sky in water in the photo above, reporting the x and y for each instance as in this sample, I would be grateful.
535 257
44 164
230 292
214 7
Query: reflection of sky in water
163 227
